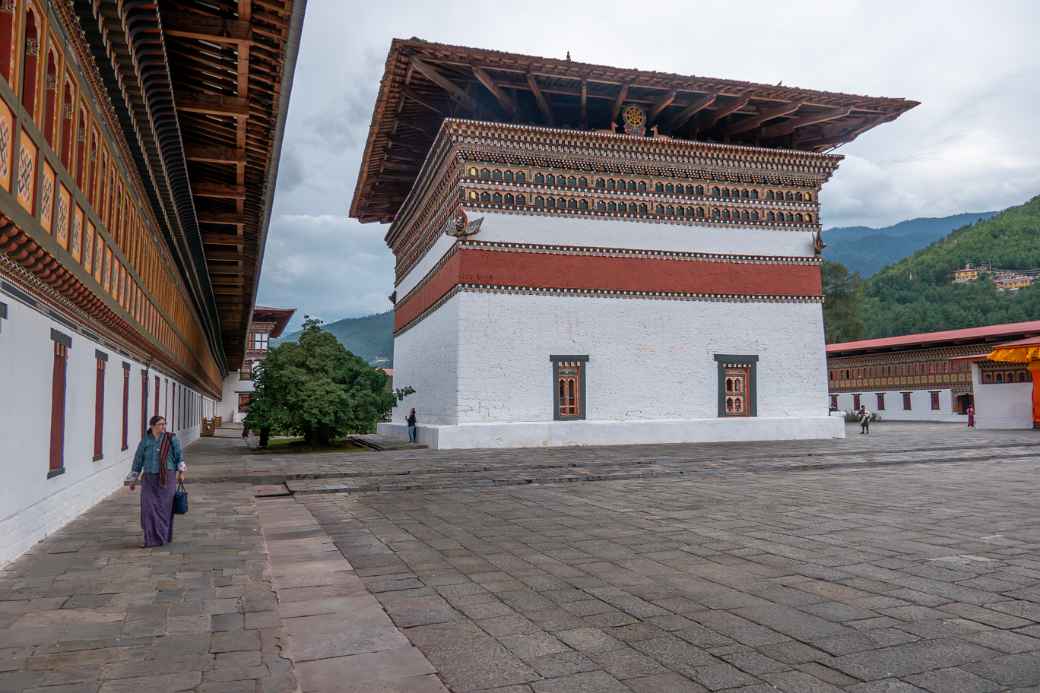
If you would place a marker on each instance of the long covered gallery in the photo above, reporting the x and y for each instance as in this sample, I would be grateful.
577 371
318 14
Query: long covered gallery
138 153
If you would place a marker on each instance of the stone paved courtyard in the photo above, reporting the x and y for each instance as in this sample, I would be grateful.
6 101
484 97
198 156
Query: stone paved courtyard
909 561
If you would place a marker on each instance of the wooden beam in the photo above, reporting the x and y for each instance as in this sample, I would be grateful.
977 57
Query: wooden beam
228 280
500 95
655 110
214 154
781 129
723 111
224 256
695 107
619 100
223 239
236 218
431 73
212 104
584 105
218 190
539 97
220 269
752 122
410 93
205 27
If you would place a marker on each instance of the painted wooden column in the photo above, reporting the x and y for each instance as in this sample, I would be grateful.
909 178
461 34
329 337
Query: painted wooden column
1034 370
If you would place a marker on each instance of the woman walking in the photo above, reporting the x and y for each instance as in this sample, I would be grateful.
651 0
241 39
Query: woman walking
158 456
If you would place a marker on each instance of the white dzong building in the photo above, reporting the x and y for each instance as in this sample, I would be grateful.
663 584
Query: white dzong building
655 280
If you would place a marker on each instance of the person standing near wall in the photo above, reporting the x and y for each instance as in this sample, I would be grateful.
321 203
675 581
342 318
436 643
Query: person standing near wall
864 420
158 456
411 426
971 416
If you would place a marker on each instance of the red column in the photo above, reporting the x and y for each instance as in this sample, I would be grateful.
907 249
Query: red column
99 405
144 402
57 456
126 406
1034 370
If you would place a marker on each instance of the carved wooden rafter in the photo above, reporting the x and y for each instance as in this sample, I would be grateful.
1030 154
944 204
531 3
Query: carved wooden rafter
540 99
764 116
503 98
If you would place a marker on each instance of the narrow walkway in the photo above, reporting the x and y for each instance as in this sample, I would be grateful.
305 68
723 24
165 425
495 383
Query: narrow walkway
340 638
88 610
251 597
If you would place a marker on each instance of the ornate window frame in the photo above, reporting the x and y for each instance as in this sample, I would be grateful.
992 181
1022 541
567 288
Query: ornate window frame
582 408
748 361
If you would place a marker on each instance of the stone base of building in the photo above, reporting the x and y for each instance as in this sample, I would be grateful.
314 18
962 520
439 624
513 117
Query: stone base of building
564 433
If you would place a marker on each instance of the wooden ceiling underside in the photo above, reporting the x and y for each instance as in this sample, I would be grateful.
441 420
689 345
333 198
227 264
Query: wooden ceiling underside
427 82
226 64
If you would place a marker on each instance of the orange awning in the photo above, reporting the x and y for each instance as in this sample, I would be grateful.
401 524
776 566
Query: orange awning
1020 351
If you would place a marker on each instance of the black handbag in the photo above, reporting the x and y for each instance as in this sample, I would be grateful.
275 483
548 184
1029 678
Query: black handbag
180 500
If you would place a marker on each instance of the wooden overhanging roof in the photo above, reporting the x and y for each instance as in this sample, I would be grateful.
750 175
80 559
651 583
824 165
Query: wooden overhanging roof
201 90
279 316
425 82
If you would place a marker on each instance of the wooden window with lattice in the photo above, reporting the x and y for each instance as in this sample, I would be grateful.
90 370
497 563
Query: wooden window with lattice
569 387
737 384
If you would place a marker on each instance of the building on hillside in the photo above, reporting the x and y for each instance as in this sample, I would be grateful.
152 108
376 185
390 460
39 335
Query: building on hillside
928 376
267 323
138 151
967 274
592 255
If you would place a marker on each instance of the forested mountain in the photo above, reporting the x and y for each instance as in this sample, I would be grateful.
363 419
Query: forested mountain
865 250
370 337
916 294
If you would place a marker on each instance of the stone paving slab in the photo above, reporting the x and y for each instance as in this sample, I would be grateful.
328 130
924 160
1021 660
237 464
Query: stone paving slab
909 561
411 469
342 640
89 610
915 577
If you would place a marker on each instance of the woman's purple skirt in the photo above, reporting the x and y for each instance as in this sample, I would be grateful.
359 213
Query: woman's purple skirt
157 508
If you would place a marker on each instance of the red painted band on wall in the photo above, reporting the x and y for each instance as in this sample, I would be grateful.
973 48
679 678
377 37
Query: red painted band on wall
588 272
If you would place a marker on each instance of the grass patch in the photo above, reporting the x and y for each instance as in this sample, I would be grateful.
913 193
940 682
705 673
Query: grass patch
293 445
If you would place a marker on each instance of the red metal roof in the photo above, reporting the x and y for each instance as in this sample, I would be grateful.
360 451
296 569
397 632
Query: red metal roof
989 332
1028 341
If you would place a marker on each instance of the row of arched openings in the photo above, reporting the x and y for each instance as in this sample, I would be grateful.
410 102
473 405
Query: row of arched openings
509 200
52 108
641 186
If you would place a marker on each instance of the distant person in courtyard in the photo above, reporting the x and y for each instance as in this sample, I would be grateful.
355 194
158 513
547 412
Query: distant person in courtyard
158 467
411 426
971 416
864 420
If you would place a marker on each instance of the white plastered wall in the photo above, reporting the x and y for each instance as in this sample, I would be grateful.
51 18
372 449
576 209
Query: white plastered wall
1002 405
651 374
426 358
920 405
33 506
631 235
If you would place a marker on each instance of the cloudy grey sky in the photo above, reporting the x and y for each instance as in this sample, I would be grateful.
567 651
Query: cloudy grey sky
970 146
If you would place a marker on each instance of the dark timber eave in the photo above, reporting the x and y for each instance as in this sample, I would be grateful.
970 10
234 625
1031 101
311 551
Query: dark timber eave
425 82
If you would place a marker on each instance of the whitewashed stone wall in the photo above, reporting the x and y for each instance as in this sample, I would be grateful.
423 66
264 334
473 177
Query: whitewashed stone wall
31 505
1002 406
920 405
651 375
426 357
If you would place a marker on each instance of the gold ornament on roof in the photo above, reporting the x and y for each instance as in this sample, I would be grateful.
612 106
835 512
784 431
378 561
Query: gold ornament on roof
634 118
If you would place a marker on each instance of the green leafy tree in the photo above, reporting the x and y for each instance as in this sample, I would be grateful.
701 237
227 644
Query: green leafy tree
843 298
317 389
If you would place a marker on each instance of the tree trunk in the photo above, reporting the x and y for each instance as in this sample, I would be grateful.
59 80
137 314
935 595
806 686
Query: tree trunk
265 433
